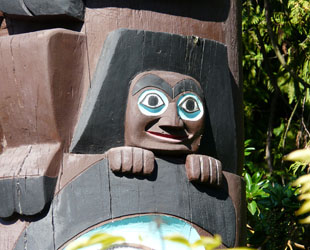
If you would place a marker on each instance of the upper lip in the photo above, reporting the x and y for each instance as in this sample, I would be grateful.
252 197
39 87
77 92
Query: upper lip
170 136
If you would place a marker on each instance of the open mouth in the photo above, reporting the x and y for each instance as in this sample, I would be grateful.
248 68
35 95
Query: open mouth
168 136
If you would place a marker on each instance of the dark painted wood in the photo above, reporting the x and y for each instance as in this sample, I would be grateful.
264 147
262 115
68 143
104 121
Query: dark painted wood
43 7
129 52
203 10
19 25
15 7
25 196
98 195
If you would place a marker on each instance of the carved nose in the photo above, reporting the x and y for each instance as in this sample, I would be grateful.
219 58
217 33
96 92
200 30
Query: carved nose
171 118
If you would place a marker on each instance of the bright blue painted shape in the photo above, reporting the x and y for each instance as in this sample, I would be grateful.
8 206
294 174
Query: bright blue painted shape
151 229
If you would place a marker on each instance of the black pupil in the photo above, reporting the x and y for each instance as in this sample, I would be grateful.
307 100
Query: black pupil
153 100
190 105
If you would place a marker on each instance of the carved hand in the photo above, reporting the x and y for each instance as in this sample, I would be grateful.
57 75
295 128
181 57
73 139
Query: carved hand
131 160
203 168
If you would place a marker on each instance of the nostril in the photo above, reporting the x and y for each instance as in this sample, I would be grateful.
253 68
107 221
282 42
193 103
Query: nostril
151 124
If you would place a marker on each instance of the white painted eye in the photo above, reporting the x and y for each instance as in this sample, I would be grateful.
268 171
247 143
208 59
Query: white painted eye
190 107
152 102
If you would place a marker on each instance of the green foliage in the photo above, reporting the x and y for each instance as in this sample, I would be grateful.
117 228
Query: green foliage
274 222
255 190
276 73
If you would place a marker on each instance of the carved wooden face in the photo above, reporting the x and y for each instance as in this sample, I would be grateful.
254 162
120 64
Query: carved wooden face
165 113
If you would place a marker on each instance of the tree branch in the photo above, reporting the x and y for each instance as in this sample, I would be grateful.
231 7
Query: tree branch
277 50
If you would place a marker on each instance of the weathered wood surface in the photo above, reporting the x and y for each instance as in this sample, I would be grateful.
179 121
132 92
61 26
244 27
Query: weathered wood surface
43 78
113 196
58 75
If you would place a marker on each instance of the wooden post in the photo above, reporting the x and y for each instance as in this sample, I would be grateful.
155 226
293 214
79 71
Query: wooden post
118 114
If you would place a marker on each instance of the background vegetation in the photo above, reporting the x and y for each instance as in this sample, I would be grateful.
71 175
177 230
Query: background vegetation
276 72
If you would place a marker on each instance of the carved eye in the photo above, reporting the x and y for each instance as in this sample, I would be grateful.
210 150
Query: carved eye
190 107
152 102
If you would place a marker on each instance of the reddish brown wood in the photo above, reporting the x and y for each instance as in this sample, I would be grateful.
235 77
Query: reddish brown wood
9 231
236 187
99 22
73 165
44 87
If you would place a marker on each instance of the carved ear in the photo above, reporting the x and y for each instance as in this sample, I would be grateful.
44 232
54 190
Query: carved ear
43 74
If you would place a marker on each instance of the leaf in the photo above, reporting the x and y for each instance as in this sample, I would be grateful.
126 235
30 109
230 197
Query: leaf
252 207
302 180
208 243
277 131
305 220
248 180
179 239
304 196
302 155
239 248
77 244
106 240
305 188
305 208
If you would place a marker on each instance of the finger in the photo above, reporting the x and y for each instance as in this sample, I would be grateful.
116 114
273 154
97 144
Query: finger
137 160
204 163
219 173
192 167
148 162
114 159
126 159
213 171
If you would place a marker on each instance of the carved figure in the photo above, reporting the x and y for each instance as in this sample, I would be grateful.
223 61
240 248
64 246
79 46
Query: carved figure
147 133
165 115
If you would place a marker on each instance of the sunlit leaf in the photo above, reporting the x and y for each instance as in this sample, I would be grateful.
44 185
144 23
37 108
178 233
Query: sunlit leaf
240 248
77 244
305 208
106 240
302 155
305 188
304 196
209 243
248 179
305 220
178 239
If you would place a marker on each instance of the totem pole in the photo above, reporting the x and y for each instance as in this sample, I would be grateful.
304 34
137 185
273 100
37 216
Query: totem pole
121 117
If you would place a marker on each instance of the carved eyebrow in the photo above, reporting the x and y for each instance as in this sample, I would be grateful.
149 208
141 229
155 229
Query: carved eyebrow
187 85
151 80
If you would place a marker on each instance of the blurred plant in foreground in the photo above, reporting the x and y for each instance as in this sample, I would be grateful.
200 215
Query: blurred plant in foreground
108 241
209 243
302 156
